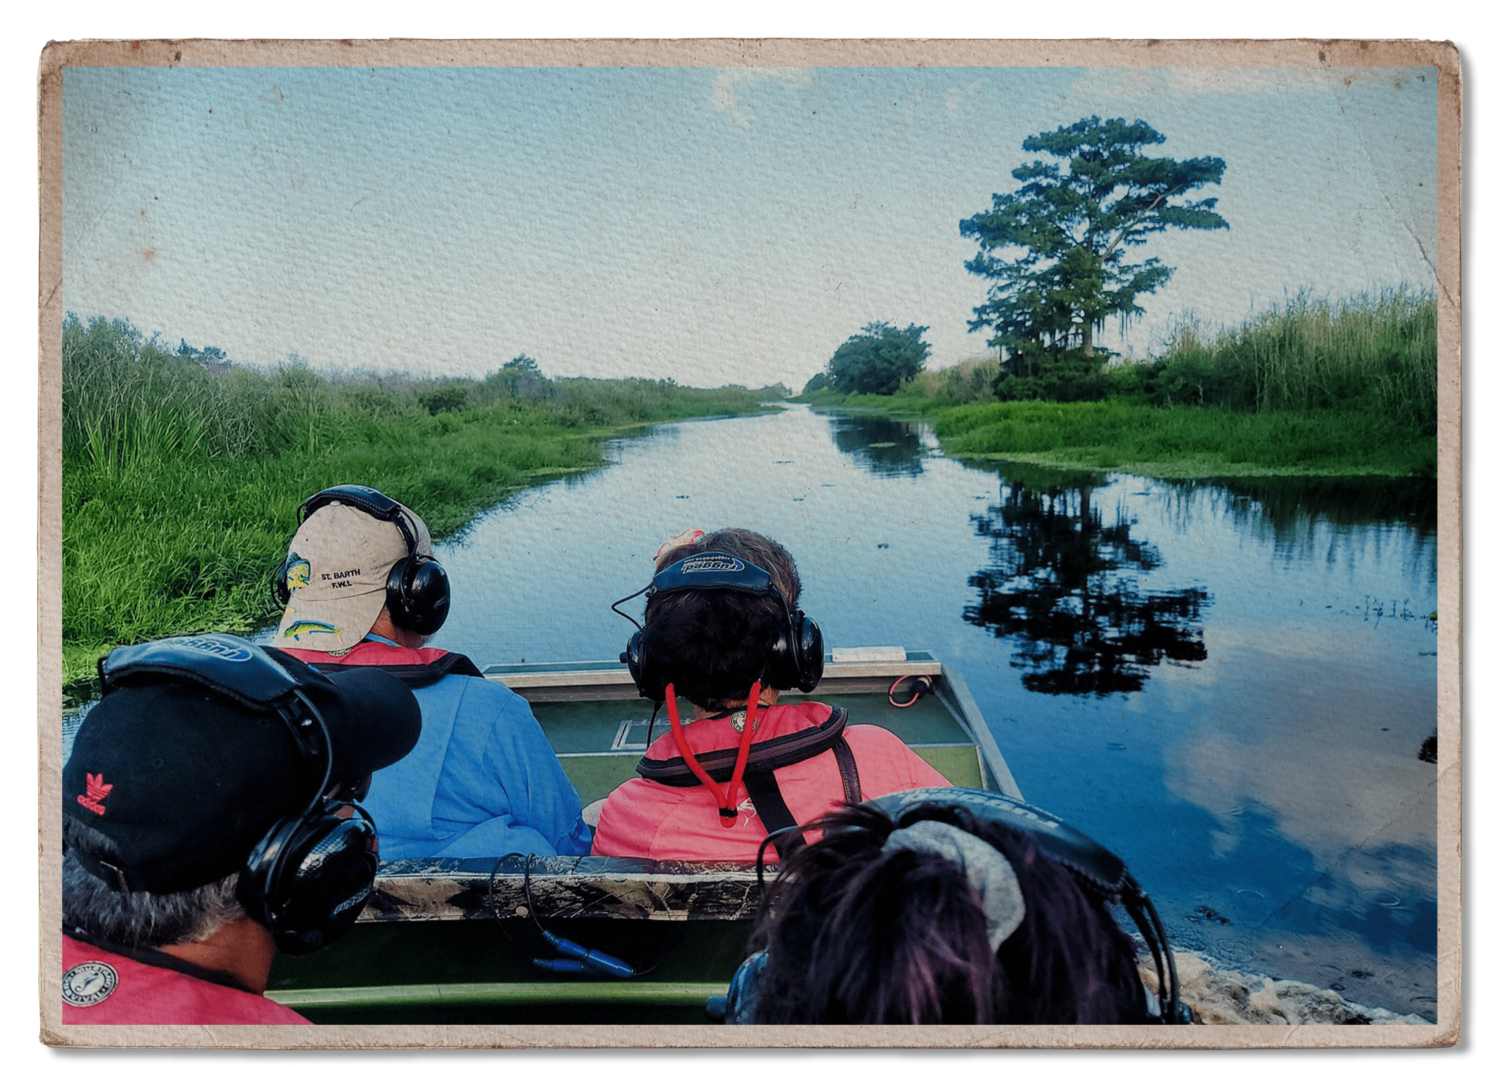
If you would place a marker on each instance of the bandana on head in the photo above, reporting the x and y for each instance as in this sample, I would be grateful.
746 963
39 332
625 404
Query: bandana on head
686 536
984 866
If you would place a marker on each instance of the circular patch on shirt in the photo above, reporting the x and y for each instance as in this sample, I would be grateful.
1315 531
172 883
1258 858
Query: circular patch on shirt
88 983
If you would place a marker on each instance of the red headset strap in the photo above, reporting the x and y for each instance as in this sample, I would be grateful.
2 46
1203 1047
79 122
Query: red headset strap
725 799
687 752
744 755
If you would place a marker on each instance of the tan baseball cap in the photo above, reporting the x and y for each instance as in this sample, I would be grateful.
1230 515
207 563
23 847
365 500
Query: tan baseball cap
336 571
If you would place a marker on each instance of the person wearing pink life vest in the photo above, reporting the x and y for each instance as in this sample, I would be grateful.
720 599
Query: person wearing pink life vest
722 632
211 820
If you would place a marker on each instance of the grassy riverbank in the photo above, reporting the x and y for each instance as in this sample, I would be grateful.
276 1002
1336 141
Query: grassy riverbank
182 473
1311 387
1185 442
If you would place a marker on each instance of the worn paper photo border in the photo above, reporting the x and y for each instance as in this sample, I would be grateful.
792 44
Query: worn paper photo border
780 53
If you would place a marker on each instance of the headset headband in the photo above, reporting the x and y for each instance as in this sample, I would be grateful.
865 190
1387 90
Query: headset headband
367 500
707 570
795 656
235 669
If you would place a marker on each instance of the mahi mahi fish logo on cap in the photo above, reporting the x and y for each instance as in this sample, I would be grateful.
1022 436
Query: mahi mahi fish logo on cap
295 630
298 572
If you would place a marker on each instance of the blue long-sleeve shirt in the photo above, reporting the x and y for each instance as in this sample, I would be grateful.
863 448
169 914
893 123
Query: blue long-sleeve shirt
482 781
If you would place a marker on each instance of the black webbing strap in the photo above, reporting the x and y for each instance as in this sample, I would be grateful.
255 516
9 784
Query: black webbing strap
417 675
770 805
848 771
764 754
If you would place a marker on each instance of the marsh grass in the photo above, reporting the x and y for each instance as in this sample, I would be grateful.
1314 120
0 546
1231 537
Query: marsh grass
970 382
1374 352
1186 442
182 474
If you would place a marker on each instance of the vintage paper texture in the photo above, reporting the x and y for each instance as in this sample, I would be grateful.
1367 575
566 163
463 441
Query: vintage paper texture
1190 59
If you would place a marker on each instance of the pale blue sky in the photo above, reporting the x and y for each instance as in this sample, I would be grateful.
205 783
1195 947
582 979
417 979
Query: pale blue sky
709 225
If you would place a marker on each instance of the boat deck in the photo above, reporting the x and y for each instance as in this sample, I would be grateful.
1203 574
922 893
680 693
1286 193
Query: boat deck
598 724
454 941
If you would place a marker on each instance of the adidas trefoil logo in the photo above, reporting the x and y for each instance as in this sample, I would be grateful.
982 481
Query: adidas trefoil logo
96 791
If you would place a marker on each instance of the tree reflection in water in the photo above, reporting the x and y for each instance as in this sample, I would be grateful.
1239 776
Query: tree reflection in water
1062 584
886 447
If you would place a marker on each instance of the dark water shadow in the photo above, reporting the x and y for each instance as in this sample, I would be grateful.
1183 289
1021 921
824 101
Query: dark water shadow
885 447
1062 587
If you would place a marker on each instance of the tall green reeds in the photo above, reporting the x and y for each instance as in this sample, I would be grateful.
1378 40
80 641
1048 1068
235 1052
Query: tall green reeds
182 472
970 382
1374 352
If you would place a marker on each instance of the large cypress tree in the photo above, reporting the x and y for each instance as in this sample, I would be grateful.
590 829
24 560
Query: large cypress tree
1057 248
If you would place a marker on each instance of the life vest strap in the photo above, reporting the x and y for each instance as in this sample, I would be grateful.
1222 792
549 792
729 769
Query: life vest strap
417 675
765 755
765 758
771 806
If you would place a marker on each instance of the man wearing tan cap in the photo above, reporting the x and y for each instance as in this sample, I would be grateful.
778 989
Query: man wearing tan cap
362 590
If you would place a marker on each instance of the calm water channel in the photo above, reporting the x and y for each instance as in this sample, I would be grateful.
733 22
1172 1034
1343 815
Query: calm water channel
1234 687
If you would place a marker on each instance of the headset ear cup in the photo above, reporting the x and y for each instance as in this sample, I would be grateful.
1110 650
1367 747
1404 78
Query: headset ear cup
311 875
809 652
797 657
417 594
651 686
278 583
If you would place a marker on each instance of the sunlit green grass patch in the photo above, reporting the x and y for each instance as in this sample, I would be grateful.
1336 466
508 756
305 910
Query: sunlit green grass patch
1185 442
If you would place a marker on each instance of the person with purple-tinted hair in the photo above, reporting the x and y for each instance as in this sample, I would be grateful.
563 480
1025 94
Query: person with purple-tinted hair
935 916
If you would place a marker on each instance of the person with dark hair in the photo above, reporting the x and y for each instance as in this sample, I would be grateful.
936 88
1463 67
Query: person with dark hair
722 631
934 918
210 820
362 590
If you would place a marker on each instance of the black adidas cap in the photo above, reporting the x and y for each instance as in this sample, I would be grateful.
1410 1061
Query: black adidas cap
200 745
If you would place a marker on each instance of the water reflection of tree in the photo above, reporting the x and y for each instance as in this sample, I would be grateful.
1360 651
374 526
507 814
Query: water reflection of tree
886 447
1062 584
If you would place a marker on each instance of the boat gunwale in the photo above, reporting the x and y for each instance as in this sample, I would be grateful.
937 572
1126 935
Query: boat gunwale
591 887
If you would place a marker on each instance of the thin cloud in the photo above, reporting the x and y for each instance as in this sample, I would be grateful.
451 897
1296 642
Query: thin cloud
729 80
959 98
1140 82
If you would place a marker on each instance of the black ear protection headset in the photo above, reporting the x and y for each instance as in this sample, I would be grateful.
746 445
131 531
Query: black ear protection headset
312 873
1089 863
416 589
309 878
796 658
